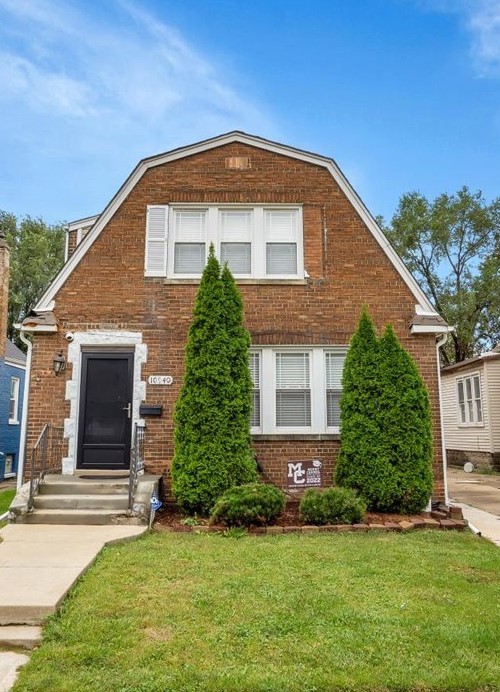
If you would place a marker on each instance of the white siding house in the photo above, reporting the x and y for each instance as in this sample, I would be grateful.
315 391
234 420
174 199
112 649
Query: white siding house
471 410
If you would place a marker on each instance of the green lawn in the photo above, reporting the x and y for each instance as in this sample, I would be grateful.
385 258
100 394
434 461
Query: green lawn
6 497
385 611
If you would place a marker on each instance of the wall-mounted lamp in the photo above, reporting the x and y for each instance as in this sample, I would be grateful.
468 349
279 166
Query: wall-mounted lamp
59 363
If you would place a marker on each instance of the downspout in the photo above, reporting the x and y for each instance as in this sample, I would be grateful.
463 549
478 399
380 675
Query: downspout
440 343
24 421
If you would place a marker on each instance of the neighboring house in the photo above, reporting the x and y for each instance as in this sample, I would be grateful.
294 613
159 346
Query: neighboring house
306 255
12 375
471 410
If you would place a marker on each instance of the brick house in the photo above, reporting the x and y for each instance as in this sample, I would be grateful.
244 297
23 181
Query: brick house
306 254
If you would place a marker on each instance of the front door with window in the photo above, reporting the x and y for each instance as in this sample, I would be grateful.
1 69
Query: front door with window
104 425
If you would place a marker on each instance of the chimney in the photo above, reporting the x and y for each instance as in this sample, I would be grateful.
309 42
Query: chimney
4 291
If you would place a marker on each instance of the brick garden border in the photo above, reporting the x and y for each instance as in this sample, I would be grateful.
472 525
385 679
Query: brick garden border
436 520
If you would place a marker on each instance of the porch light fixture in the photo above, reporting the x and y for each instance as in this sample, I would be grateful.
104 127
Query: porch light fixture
59 363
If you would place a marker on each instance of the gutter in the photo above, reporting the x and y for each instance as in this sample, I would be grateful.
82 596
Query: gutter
24 421
440 343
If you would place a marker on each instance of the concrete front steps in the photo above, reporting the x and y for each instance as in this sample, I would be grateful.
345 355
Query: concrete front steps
92 499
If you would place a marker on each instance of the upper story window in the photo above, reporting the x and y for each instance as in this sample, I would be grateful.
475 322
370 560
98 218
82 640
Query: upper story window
296 389
470 410
257 242
14 400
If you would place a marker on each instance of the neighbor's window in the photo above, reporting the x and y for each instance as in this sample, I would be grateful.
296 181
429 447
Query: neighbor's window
256 241
469 400
9 464
14 400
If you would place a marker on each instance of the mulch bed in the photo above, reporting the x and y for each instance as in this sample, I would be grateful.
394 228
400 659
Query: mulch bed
171 518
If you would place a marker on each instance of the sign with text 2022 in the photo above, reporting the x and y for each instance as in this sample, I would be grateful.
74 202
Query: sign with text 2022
304 474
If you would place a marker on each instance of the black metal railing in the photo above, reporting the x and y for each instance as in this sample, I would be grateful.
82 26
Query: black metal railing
46 456
136 462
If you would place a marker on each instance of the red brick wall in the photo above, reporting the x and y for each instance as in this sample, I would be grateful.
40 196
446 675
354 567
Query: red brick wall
346 266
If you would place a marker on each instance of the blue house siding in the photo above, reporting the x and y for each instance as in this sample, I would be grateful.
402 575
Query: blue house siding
10 433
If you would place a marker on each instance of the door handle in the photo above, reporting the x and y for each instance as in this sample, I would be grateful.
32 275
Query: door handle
127 409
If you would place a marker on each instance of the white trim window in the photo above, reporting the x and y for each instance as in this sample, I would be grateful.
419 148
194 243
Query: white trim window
296 389
470 410
14 401
256 241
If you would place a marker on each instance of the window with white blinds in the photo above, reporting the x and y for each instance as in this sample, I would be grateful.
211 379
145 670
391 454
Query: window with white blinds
235 227
469 400
255 374
190 236
293 390
256 242
296 389
334 365
281 235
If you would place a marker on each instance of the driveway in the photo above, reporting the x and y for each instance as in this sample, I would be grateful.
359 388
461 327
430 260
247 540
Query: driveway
475 489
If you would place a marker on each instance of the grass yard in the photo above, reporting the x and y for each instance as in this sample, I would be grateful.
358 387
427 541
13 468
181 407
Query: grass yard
385 611
6 497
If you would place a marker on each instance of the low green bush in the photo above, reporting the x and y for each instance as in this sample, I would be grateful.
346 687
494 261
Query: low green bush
254 504
332 506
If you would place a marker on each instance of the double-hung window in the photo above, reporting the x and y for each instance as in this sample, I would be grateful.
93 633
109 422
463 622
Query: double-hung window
469 400
257 242
296 390
14 401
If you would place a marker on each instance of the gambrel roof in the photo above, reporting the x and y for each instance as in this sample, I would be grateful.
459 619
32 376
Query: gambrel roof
46 303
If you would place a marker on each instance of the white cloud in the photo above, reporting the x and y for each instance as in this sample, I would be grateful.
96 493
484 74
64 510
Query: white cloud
131 66
481 20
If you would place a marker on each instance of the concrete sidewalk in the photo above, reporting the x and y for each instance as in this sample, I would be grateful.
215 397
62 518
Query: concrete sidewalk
38 566
479 497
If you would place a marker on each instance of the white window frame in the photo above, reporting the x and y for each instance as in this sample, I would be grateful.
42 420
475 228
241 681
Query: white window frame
468 420
257 240
15 383
317 364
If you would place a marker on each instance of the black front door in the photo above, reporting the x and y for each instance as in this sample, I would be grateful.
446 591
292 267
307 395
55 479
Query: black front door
104 424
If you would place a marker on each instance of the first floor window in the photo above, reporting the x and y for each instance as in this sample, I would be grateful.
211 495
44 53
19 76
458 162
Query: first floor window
14 400
296 389
293 390
469 400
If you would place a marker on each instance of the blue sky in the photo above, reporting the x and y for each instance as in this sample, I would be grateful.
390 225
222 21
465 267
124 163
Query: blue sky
403 94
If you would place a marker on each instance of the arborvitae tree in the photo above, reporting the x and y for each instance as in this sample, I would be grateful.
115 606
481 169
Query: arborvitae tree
240 456
363 461
212 414
200 472
405 424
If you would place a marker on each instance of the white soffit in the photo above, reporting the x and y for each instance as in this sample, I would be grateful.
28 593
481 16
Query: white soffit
207 145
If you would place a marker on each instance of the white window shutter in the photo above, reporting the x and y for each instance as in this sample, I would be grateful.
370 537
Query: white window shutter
156 241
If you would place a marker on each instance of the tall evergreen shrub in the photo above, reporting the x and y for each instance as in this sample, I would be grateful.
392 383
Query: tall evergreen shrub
239 451
405 424
363 462
386 429
205 462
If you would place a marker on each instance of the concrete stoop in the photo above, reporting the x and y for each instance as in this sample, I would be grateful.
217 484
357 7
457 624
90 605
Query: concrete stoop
85 500
20 636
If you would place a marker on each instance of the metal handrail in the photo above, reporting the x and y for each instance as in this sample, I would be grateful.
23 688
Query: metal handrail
46 455
136 462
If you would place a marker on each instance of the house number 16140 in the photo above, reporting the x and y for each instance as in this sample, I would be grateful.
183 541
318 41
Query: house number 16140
160 379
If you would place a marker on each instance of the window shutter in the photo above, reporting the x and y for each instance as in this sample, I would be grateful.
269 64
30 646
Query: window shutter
156 241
